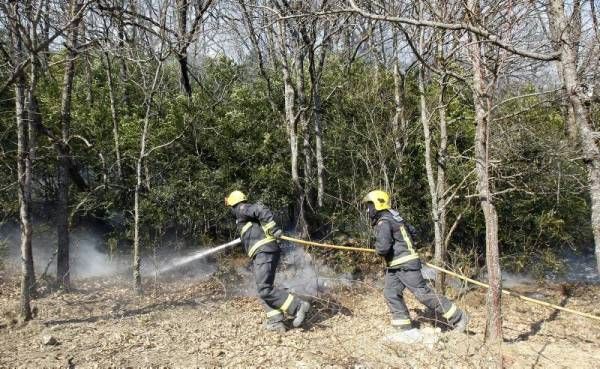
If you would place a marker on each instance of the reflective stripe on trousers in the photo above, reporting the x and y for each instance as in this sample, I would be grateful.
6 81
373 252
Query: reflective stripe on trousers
396 280
275 299
400 322
450 313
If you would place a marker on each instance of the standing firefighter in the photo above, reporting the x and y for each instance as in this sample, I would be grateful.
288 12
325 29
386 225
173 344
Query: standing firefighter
394 242
259 235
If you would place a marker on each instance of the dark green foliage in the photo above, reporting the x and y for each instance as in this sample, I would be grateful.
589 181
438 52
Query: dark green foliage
231 138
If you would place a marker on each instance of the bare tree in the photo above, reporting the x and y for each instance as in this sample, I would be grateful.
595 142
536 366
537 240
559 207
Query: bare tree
317 39
114 115
433 59
185 37
567 32
144 152
21 21
482 103
400 120
292 116
154 51
281 44
437 183
62 211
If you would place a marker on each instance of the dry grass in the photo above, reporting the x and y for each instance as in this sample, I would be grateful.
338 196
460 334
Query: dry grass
192 323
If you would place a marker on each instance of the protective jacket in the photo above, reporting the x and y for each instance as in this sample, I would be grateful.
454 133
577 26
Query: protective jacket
256 226
394 240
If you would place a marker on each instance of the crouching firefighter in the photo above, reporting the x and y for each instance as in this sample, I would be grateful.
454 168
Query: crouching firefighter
259 234
394 242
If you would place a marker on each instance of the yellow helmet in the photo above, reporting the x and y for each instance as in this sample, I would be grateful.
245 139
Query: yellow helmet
379 198
235 197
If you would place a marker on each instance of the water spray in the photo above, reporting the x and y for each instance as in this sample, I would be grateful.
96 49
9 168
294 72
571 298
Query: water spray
199 255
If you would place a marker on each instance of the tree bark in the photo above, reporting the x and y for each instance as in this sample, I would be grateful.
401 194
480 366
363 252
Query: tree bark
315 71
493 331
185 37
24 174
441 252
62 211
137 276
182 57
24 164
565 34
399 120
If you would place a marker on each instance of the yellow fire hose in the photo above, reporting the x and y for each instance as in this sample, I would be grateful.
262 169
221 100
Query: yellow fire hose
481 284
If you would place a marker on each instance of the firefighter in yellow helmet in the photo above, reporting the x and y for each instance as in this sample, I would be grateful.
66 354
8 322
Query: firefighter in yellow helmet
394 242
259 234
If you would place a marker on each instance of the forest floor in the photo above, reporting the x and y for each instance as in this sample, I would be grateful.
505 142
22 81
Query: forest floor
205 323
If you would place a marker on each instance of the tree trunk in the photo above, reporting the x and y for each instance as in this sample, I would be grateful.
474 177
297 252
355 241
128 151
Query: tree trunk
292 130
399 121
24 167
114 117
186 86
308 160
182 57
304 125
45 34
436 185
122 62
137 276
578 111
431 177
493 332
24 180
259 54
318 121
62 211
441 253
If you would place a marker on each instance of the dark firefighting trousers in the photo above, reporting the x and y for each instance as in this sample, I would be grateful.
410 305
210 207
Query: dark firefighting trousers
275 301
396 280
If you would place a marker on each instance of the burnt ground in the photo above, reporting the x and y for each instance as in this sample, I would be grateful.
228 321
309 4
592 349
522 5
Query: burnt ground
203 323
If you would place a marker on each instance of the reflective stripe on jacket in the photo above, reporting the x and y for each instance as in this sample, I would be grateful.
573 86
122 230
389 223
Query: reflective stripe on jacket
254 223
394 241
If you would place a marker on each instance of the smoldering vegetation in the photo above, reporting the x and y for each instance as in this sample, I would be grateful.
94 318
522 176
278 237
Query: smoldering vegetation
299 271
92 257
89 255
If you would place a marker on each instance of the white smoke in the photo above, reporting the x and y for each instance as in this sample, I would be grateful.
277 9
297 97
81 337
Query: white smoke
87 252
303 274
298 271
89 255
